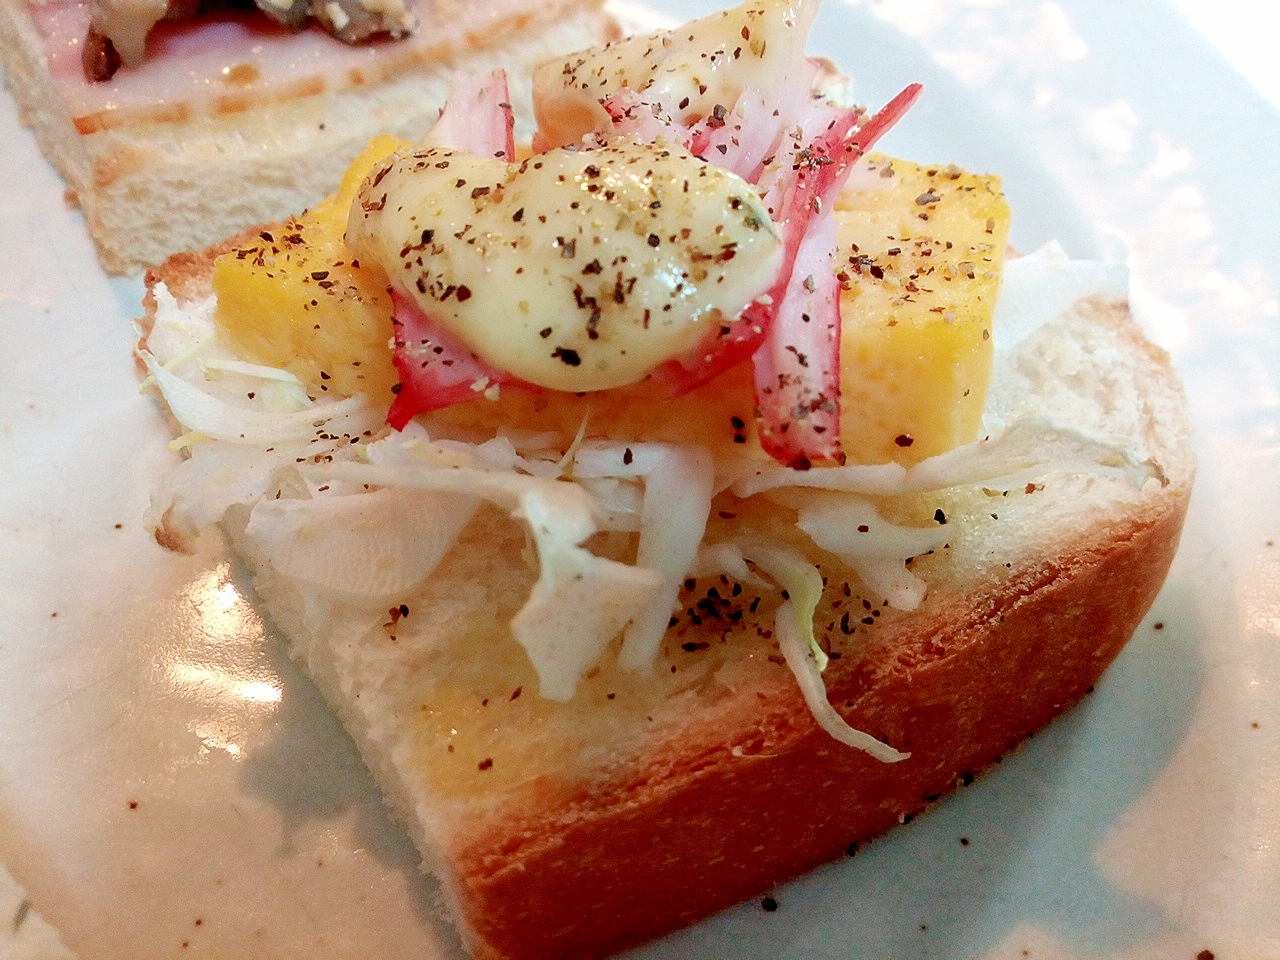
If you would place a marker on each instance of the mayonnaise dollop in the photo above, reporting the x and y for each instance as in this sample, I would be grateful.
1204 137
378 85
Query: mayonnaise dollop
575 270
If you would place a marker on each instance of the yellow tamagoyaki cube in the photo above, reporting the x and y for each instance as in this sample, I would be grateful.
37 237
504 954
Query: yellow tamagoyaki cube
921 250
919 260
294 297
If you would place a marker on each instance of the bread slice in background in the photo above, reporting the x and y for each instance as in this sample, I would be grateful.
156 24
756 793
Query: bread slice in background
151 187
649 801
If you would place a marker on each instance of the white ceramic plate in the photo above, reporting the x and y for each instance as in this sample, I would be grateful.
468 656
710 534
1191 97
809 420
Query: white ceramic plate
170 786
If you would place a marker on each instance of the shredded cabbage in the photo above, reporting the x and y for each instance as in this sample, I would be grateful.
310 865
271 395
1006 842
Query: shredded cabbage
338 502
851 528
1019 452
677 498
800 648
199 410
714 558
215 477
246 369
580 601
377 544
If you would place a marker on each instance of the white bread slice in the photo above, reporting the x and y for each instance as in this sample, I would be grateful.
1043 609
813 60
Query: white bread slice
150 188
574 830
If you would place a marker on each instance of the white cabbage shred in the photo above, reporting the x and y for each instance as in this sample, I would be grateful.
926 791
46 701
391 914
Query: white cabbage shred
800 647
339 503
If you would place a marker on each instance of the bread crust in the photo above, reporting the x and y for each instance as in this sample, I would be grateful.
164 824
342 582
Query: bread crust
746 791
685 836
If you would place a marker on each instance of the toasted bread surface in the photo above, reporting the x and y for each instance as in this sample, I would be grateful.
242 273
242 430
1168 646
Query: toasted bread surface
758 794
648 802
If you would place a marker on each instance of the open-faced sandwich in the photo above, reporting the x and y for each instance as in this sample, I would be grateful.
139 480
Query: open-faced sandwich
669 505
176 123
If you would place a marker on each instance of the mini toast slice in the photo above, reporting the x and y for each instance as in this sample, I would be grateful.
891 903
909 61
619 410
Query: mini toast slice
651 800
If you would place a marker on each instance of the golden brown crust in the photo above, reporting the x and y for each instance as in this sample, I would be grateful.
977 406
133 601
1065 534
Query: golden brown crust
685 837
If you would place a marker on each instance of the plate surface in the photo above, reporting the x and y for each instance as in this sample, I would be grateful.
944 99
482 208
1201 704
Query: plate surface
171 786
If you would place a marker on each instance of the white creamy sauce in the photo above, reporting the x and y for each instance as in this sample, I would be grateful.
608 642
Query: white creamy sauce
573 270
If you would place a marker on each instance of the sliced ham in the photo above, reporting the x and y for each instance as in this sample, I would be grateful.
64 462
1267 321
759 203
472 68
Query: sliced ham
239 60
